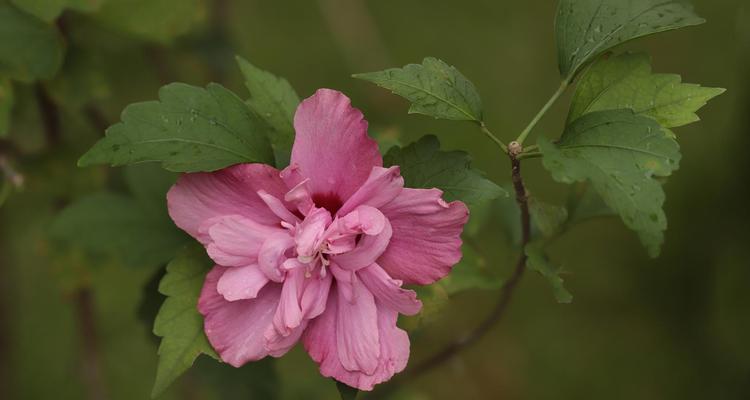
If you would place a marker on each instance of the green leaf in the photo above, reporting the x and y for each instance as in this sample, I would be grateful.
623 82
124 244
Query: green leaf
424 165
346 392
434 88
30 49
117 225
621 154
190 129
626 81
275 101
48 10
548 218
178 323
153 20
6 105
587 28
539 261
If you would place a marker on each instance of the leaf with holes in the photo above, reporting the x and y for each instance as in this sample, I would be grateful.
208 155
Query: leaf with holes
424 165
178 323
587 28
626 81
274 100
620 153
434 88
189 129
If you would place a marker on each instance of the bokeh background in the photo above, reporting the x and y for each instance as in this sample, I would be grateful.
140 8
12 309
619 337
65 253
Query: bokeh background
77 326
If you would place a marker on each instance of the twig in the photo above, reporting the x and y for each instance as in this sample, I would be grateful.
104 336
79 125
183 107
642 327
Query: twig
497 313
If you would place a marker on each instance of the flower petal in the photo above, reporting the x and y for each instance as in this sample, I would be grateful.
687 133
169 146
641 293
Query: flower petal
235 329
198 197
271 255
241 283
320 342
331 145
382 186
309 234
278 345
289 313
235 241
357 330
426 240
315 295
278 207
369 249
388 291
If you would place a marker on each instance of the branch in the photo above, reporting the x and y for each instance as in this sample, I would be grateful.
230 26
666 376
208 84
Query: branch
497 313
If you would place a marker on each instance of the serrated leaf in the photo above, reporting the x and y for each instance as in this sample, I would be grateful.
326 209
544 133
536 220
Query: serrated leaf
539 261
621 154
434 88
30 49
548 218
179 323
189 129
48 10
117 225
154 20
6 105
424 165
274 100
587 28
346 392
626 81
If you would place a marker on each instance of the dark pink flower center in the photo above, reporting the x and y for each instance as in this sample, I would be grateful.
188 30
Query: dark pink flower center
329 201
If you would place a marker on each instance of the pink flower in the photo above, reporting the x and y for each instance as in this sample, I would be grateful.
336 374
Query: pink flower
318 252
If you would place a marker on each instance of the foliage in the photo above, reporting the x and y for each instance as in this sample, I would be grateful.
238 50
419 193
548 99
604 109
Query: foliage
621 154
434 88
615 150
189 129
274 100
178 323
424 165
587 28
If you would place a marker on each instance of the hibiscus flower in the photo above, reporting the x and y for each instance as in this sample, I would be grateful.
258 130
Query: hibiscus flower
319 251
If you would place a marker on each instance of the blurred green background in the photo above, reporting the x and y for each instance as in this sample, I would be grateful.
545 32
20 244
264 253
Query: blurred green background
76 326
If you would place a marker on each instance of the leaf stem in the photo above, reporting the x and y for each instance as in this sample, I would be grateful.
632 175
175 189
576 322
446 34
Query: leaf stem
563 86
492 136
530 154
497 313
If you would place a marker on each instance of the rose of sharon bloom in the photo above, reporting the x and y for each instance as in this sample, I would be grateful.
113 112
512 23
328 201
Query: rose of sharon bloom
318 252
